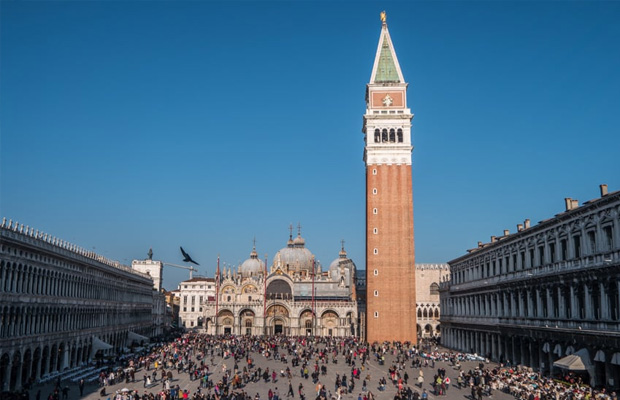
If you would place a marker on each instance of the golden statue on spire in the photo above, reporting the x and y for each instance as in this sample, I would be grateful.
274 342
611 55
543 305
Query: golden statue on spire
383 16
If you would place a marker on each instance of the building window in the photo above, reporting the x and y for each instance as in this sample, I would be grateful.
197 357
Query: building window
564 249
577 243
376 314
184 299
392 136
200 309
191 323
377 135
249 298
592 242
376 251
201 298
184 309
376 272
400 135
384 135
375 231
375 211
192 309
552 252
434 289
185 286
209 287
376 293
374 171
228 298
374 191
609 237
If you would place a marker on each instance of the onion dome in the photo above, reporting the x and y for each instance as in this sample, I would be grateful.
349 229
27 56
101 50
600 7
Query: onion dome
252 266
334 267
295 256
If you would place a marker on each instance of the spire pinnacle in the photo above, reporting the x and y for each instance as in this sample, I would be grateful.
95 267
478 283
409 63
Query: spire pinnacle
386 69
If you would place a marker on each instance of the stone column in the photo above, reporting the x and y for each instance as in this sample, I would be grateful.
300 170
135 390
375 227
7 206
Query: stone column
7 375
588 301
605 309
574 310
539 302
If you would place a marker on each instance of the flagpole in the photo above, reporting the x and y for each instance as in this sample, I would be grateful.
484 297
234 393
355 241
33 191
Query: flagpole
313 304
217 290
265 299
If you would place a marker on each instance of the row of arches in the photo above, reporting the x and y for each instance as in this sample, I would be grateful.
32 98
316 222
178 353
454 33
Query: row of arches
389 136
23 320
29 364
21 278
431 312
589 300
280 320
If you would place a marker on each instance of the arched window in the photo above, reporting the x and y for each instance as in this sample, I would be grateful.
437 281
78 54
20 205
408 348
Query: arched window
437 313
377 135
399 134
434 289
384 135
419 313
425 313
392 136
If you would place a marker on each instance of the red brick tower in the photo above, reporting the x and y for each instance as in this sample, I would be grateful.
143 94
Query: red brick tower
390 269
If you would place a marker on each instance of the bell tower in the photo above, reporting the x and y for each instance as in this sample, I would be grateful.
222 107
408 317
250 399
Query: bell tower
390 260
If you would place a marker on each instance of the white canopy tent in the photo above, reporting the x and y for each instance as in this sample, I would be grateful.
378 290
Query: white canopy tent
99 344
132 336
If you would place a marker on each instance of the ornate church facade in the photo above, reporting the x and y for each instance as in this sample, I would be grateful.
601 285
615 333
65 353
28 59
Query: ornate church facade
294 297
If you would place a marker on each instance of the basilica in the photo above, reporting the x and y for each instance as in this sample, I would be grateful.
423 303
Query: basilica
295 296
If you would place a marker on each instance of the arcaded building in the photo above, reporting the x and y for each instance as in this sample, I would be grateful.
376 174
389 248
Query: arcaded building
542 293
294 296
390 273
428 310
62 306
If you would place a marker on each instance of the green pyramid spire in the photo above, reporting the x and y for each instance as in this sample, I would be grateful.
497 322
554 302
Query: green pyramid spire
386 69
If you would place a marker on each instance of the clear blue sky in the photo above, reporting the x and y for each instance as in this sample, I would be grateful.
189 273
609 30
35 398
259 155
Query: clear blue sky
129 125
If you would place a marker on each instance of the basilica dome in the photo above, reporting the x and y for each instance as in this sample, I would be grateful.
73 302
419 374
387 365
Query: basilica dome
334 267
295 256
252 266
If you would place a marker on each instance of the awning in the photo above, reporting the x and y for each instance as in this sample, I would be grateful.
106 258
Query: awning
615 359
580 361
546 347
600 356
138 338
99 344
557 350
570 350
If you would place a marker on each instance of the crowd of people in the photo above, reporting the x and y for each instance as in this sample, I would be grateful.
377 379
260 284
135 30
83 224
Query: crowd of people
226 368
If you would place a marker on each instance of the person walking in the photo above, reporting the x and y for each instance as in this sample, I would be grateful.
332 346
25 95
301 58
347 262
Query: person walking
290 392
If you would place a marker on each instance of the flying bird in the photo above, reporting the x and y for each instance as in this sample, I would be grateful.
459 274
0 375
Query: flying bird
186 257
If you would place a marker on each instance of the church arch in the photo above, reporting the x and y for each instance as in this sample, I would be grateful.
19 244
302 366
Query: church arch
278 321
279 289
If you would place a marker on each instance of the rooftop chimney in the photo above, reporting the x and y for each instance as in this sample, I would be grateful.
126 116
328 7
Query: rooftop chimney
519 227
603 189
479 244
506 232
526 223
571 204
493 239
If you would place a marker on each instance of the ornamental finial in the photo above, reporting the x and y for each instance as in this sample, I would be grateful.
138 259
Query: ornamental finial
383 17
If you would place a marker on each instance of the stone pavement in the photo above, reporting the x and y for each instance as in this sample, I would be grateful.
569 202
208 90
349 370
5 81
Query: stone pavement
376 371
